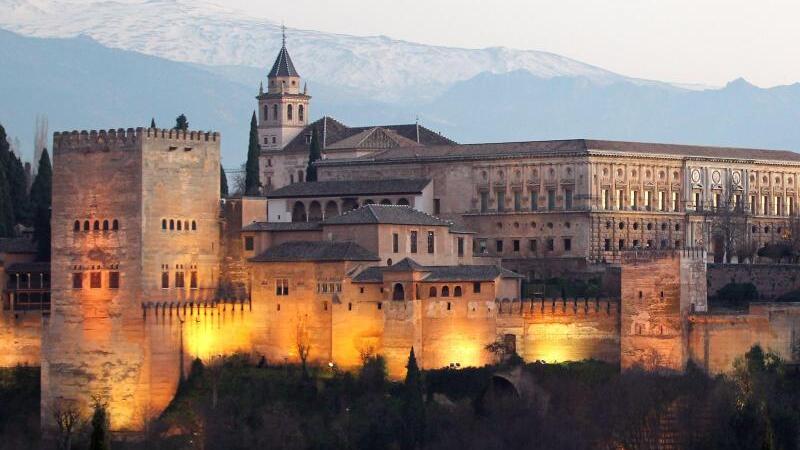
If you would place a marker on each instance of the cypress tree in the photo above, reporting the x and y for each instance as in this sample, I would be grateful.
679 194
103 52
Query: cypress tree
41 200
181 123
412 406
314 154
6 209
99 439
252 183
18 189
223 182
153 122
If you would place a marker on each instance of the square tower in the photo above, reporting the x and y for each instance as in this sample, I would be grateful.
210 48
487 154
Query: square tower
135 218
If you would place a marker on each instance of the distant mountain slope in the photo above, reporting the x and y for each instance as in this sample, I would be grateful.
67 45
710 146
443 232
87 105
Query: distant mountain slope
520 106
199 32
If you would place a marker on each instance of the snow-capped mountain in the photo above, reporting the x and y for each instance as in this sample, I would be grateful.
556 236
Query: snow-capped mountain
209 34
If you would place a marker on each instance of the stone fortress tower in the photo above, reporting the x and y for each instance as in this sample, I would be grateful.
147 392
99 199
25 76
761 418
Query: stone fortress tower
282 111
135 218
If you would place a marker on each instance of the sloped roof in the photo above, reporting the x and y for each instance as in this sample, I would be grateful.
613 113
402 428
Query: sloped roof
373 138
437 274
283 66
386 214
334 134
344 188
17 245
43 267
282 226
571 147
316 251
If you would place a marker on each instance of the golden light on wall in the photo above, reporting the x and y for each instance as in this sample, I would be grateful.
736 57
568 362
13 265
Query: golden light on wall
221 333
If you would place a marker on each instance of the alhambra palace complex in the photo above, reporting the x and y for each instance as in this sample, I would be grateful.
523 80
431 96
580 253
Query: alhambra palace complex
407 240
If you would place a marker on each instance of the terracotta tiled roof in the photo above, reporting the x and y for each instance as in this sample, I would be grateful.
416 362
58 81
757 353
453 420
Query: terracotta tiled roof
563 147
453 273
282 226
386 214
351 188
316 251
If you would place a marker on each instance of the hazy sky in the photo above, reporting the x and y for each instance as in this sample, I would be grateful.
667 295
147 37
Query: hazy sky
693 41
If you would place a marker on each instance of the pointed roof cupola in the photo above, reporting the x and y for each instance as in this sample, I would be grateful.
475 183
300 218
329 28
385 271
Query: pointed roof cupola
283 66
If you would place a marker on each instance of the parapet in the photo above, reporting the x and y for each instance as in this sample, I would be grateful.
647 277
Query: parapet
649 255
88 140
560 306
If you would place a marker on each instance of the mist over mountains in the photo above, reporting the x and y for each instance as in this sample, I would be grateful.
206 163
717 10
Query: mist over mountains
99 65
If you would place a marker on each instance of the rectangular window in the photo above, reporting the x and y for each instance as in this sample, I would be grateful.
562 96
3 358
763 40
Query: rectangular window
776 205
568 199
281 286
620 199
534 201
482 247
95 280
648 201
764 204
77 280
634 199
717 200
395 243
533 245
460 244
790 206
675 204
499 245
484 201
164 280
753 204
501 201
662 201
551 199
621 245
698 204
515 244
113 280
431 243
607 245
193 279
604 200
567 244
476 287
737 201
413 241
179 281
550 245
249 245
517 201
437 206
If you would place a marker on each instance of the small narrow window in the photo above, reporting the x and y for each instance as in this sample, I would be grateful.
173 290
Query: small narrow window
194 226
249 244
432 291
380 305
77 280
113 280
171 224
448 306
445 291
96 225
76 226
95 280
164 280
413 239
179 280
105 225
115 225
460 243
179 226
193 280
476 287
431 244
395 243
86 225
185 225
457 291
163 224
349 306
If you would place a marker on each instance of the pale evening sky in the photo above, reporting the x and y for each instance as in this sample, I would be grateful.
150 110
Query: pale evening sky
692 41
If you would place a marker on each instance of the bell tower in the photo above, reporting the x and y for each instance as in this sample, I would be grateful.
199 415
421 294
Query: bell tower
283 108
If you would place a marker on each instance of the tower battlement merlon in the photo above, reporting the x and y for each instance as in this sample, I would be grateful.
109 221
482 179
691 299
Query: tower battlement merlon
102 139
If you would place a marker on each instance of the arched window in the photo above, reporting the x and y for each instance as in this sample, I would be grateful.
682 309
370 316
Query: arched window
115 224
389 262
300 176
86 225
300 112
288 112
299 212
194 226
331 209
163 224
314 211
179 226
403 202
386 201
457 291
398 293
432 292
266 112
369 201
445 291
96 226
76 226
171 224
186 225
275 112
349 204
105 225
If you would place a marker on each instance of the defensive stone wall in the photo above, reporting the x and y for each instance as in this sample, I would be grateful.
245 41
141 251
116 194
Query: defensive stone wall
21 338
771 280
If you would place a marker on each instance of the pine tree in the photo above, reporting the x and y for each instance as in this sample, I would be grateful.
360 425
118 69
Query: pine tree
153 122
252 183
223 182
412 405
99 439
181 123
314 154
41 201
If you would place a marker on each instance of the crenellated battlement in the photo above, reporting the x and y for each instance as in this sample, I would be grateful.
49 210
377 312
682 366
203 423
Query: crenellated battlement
103 139
648 255
557 306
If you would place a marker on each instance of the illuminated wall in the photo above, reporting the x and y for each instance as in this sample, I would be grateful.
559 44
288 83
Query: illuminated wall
20 338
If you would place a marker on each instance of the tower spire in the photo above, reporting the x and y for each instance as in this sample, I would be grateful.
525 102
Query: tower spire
283 35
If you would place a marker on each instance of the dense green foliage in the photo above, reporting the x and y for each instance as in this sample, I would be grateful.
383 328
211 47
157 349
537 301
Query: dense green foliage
100 438
735 295
314 154
181 123
19 407
42 199
252 182
223 182
14 206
